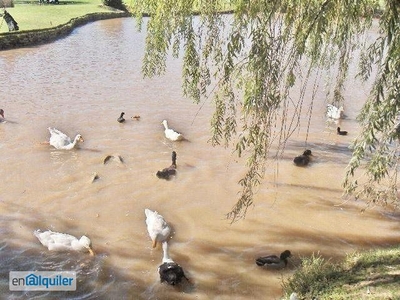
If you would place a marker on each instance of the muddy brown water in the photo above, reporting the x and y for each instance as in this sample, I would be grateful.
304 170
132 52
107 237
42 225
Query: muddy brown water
81 84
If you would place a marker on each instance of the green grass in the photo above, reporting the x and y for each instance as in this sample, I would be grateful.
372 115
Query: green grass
374 274
30 15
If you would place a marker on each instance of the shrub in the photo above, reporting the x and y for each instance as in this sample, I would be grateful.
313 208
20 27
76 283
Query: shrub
118 4
314 276
6 3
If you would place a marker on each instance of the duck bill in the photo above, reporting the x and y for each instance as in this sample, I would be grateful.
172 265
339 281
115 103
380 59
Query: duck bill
91 252
154 243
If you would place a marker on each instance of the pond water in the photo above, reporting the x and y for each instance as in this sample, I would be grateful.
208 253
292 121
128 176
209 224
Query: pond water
81 84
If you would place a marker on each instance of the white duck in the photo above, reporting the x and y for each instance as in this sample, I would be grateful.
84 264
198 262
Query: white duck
171 134
170 271
157 227
56 241
60 140
333 112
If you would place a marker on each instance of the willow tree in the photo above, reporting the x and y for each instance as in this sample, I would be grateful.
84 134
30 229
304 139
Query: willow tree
248 59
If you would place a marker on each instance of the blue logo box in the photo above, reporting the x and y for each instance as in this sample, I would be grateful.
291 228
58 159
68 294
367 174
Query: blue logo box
42 281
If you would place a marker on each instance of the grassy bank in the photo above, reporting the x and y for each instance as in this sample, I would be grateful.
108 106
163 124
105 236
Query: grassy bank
373 274
31 15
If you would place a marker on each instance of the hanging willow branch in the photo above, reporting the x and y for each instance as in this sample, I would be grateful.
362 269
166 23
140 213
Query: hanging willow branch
377 147
248 62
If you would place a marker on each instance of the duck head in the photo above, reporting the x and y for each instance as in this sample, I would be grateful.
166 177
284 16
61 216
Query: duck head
85 242
171 273
79 138
285 255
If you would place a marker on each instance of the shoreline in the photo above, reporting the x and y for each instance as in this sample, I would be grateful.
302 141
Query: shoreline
21 39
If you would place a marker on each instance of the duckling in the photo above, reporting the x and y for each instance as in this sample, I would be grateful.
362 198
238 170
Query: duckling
136 117
273 261
341 132
170 271
121 118
166 173
303 159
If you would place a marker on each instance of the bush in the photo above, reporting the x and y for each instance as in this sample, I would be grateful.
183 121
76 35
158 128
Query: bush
315 276
118 4
6 3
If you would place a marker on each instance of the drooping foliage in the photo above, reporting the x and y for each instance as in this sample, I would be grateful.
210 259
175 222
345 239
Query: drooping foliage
249 59
377 147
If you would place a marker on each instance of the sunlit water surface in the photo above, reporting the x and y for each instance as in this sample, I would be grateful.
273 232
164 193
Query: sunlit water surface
80 84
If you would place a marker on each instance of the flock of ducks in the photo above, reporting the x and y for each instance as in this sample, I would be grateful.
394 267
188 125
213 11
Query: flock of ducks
61 141
158 229
159 232
333 113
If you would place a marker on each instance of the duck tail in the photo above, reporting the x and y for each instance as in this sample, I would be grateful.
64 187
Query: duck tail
260 261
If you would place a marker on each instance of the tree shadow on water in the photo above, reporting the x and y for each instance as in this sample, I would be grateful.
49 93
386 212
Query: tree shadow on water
96 279
97 276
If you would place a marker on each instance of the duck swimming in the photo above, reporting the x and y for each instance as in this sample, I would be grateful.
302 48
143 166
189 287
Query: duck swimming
2 119
121 118
60 140
303 159
56 241
166 173
170 272
333 112
273 261
157 227
341 132
114 157
171 134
